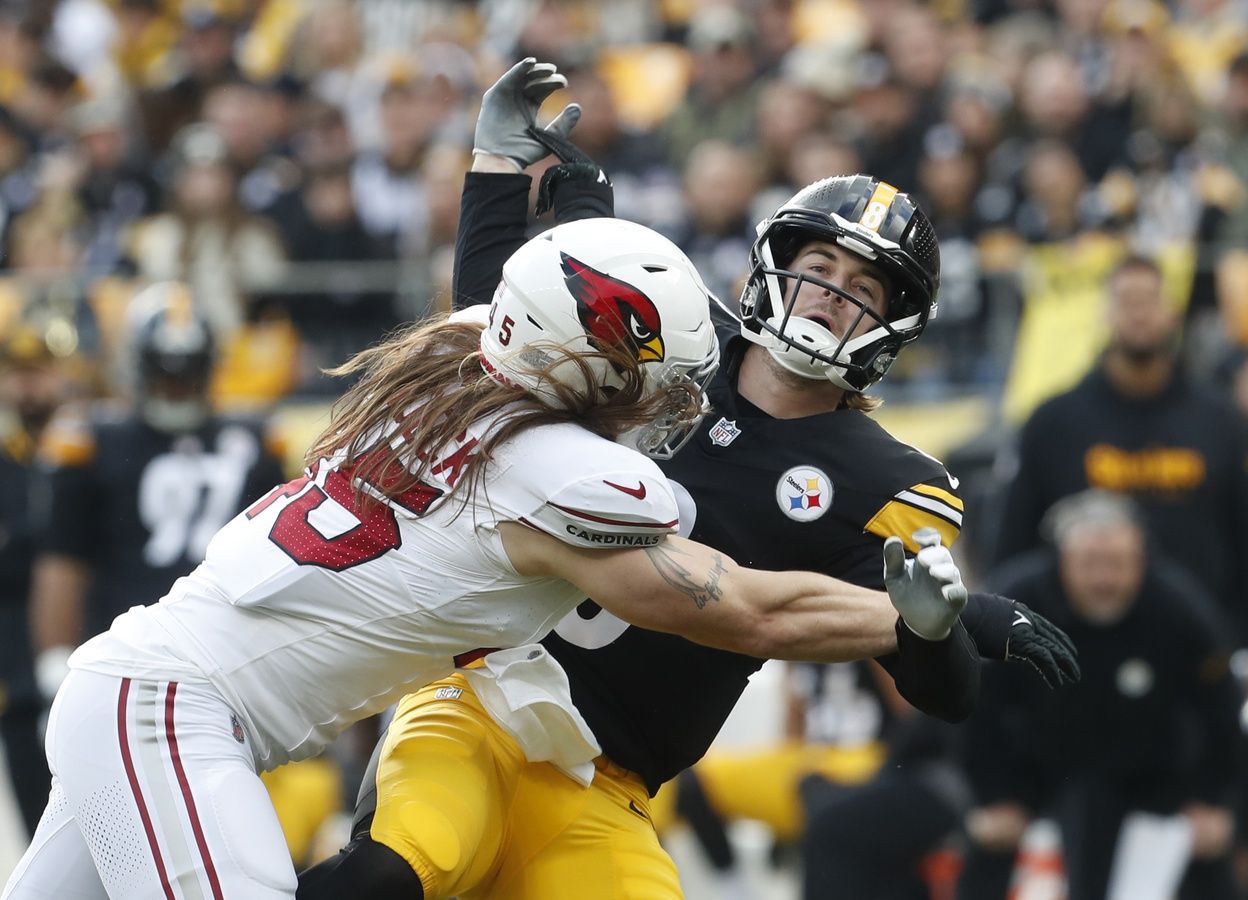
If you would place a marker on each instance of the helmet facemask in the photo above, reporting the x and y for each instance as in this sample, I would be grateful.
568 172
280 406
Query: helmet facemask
809 348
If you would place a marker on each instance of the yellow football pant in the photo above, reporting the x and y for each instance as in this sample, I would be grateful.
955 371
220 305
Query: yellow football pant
457 799
305 794
763 784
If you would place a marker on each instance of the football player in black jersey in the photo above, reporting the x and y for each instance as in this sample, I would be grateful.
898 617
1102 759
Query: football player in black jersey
787 472
130 499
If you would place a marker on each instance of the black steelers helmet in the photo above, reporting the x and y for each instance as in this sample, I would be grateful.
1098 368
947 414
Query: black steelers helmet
173 357
865 216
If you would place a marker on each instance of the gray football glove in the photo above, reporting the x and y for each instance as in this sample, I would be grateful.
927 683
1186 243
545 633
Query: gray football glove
509 109
927 591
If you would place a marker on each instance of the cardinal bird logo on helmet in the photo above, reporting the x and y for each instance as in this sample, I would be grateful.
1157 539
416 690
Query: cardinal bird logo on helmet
613 310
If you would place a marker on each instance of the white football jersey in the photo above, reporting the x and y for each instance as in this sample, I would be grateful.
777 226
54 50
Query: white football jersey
311 611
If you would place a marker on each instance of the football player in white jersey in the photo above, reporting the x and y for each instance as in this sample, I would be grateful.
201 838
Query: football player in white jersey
478 481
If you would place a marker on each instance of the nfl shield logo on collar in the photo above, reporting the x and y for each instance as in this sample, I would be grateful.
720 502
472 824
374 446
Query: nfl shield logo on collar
724 432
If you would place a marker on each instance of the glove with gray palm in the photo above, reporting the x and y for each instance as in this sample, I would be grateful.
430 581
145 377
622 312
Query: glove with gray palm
927 591
509 110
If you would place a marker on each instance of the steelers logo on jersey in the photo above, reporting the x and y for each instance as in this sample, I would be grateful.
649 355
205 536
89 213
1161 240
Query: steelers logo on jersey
804 493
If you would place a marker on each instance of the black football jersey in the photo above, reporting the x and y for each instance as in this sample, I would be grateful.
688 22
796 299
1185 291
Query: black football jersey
140 505
818 493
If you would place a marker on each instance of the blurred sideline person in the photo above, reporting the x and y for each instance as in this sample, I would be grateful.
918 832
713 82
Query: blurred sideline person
787 471
130 498
475 482
1149 729
32 386
1138 425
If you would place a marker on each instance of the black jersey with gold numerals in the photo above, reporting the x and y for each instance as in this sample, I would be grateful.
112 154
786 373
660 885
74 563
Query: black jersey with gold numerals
818 493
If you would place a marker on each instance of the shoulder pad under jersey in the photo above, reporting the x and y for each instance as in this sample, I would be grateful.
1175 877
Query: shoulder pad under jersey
591 492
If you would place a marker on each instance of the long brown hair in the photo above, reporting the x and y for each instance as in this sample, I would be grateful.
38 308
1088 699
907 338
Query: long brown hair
425 382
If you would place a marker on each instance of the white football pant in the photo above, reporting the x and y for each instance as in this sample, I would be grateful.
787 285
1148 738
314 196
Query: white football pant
155 796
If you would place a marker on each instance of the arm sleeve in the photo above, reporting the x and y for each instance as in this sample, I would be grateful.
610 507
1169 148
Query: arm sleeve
940 678
493 216
584 197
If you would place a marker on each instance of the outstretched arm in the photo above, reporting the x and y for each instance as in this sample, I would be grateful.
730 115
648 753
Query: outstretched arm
682 587
494 205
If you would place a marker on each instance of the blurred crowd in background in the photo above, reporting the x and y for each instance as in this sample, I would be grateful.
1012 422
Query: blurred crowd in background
297 162
297 165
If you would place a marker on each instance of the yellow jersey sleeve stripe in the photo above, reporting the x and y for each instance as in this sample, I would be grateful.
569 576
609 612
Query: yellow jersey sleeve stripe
932 491
902 519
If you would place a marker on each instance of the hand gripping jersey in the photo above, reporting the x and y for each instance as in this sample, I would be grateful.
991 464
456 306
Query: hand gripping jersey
311 611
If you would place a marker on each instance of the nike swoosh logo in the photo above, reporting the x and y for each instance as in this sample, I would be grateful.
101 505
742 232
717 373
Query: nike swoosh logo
639 492
632 804
1020 619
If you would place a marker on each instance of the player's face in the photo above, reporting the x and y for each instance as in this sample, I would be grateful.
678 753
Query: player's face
848 271
1102 566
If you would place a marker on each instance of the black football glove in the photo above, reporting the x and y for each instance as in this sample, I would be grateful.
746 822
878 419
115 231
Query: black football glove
1008 630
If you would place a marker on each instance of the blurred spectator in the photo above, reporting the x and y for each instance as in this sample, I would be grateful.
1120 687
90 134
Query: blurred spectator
255 127
1055 103
1147 734
207 238
45 95
643 181
891 123
205 58
958 336
1055 203
723 92
787 113
720 182
32 386
115 185
343 313
1137 425
388 187
18 177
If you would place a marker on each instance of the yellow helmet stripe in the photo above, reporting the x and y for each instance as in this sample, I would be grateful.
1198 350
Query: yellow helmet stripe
877 207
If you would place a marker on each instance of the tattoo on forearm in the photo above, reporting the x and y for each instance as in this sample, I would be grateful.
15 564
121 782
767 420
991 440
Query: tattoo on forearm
680 576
